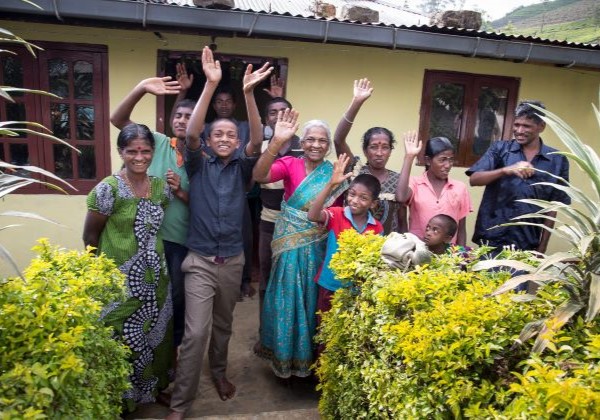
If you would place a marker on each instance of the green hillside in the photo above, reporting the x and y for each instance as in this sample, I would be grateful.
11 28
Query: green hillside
564 20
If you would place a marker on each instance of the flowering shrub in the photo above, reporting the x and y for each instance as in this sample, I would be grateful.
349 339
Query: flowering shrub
426 343
57 358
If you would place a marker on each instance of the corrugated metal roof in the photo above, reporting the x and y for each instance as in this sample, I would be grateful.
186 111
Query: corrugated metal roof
389 12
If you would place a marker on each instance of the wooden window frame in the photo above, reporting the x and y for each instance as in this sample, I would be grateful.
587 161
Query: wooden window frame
164 56
472 83
41 150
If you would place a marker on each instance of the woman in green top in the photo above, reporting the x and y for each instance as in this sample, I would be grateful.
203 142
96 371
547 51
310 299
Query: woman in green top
125 211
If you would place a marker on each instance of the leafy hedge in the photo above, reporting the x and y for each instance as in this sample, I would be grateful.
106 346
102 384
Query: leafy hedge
431 344
57 358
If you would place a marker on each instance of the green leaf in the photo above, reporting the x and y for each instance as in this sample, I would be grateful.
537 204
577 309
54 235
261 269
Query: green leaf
35 91
34 169
561 315
492 263
594 301
529 330
28 216
6 256
513 282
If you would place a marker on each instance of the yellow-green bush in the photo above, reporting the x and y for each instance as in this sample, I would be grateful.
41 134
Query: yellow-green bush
564 382
57 359
422 344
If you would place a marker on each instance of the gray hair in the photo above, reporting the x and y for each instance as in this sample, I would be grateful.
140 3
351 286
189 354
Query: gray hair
321 124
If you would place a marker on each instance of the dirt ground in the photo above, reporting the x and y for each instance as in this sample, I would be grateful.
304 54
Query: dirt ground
260 395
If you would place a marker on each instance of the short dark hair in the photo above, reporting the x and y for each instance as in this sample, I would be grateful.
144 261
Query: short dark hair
437 145
370 182
224 89
524 109
185 103
366 138
216 120
448 222
277 100
133 132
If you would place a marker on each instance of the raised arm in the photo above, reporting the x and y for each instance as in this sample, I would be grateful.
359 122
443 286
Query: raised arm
362 92
185 82
212 71
277 87
251 80
121 116
315 212
285 128
412 147
522 169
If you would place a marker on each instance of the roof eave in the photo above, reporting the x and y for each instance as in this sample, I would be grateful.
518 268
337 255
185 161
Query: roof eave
247 23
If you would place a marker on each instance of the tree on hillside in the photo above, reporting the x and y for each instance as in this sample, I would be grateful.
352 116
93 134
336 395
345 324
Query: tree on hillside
434 6
544 5
509 29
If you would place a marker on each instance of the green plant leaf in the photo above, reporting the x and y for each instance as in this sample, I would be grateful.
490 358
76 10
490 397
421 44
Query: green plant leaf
4 254
35 169
513 282
28 216
530 330
5 95
35 91
492 263
37 133
557 259
561 315
523 298
594 301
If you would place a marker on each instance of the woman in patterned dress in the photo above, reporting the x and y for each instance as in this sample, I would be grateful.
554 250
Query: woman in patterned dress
378 143
125 211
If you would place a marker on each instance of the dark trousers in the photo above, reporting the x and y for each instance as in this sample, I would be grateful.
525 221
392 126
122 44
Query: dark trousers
175 254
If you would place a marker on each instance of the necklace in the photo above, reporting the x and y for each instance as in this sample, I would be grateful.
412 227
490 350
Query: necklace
145 194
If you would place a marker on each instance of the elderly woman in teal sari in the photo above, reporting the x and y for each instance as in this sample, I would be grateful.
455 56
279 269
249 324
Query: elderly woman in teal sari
288 318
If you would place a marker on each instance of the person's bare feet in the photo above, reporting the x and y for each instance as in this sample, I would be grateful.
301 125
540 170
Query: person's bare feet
225 389
175 415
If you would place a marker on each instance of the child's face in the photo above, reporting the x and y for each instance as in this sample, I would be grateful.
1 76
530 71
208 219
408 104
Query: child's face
223 138
180 121
436 233
360 200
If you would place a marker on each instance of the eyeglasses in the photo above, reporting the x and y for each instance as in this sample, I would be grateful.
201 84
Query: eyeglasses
313 140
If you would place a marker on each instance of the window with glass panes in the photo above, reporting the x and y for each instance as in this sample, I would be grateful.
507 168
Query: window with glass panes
471 110
76 113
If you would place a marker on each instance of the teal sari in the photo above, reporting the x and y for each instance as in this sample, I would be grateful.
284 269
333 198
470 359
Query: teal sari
288 318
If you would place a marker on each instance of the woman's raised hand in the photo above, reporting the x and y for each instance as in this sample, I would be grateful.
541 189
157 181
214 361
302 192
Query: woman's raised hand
339 167
412 144
253 78
362 90
286 126
211 67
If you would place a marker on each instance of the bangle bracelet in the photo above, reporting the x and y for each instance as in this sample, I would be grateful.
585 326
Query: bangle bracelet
269 152
346 118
